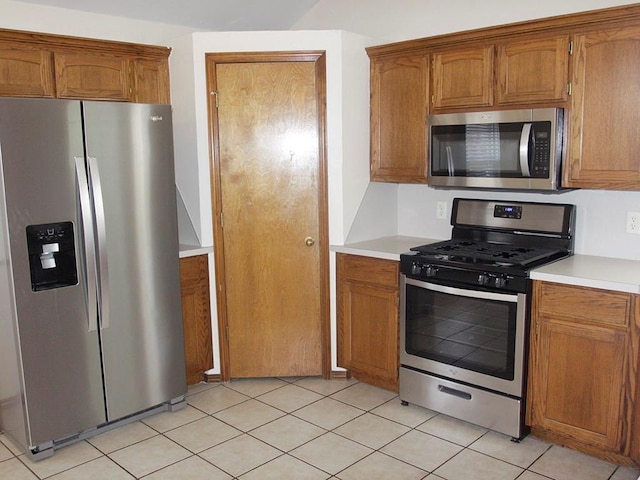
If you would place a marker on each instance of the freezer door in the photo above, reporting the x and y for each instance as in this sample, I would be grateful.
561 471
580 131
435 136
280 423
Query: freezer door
60 360
130 150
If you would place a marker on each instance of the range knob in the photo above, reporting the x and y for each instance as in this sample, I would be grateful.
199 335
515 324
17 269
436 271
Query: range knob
431 271
501 281
416 268
483 279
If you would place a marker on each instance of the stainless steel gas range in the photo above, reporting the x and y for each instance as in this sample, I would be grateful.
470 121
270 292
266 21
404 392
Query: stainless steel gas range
464 302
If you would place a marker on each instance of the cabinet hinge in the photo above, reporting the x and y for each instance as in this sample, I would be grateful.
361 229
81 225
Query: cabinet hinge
215 95
571 47
569 89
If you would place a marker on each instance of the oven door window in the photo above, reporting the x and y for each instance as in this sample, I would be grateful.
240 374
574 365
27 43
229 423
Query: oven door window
471 333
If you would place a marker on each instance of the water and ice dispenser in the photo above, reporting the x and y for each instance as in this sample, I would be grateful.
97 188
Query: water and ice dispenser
52 255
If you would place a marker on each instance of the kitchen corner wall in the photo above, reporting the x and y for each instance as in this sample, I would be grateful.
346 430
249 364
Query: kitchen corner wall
347 133
347 116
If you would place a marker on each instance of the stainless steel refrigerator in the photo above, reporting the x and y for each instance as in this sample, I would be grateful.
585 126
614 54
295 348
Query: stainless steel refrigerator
90 313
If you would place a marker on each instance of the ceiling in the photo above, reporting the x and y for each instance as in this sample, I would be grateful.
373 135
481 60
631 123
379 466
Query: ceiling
207 15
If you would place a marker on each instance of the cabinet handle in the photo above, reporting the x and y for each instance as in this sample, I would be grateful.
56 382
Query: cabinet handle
309 241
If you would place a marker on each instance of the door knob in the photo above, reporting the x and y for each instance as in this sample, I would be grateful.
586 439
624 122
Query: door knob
309 241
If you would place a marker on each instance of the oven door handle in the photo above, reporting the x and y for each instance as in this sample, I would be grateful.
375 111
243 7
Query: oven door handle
501 297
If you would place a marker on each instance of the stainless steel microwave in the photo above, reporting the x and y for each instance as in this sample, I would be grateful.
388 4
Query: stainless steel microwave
505 149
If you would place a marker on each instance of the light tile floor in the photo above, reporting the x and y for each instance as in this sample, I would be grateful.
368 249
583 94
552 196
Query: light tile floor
305 429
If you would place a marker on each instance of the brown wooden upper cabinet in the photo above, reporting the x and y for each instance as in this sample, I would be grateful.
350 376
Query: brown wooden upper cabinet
511 73
533 71
399 108
604 135
25 72
463 78
151 81
91 76
39 65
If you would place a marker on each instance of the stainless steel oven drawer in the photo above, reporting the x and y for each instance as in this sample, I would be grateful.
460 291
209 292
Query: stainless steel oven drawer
489 410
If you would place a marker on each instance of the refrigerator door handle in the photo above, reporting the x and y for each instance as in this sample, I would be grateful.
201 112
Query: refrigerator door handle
86 217
103 268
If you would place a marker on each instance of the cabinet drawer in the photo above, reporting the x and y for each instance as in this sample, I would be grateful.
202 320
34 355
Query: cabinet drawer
193 269
367 269
584 304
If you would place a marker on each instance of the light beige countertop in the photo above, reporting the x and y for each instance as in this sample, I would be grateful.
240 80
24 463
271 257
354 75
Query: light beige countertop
595 272
388 248
582 270
193 250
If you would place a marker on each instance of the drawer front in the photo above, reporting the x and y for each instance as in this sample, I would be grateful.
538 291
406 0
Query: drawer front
589 305
368 270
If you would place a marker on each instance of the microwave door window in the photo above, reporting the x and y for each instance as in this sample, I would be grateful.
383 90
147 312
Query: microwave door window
482 150
476 150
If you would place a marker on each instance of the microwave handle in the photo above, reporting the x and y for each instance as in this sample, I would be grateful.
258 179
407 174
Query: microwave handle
524 149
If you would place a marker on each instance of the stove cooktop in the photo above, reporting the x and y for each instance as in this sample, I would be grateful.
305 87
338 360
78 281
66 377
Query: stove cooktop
486 253
494 244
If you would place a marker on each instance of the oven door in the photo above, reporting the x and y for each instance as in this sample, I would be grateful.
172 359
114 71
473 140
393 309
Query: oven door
470 336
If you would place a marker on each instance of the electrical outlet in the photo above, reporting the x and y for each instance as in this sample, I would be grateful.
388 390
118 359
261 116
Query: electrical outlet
441 210
633 222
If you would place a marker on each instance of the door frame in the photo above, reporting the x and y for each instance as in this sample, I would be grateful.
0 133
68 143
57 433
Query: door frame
319 59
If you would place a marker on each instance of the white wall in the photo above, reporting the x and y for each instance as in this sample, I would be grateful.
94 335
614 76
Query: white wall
601 220
397 20
36 18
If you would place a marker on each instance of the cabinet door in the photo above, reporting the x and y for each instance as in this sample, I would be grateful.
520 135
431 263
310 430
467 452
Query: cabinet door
463 78
25 72
93 76
582 368
399 107
533 71
152 81
580 389
368 319
604 140
196 317
635 425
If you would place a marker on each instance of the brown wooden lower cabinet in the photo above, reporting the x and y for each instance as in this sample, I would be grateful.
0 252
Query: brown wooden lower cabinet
196 316
367 322
584 370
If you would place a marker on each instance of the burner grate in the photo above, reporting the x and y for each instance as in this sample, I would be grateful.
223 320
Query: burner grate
484 252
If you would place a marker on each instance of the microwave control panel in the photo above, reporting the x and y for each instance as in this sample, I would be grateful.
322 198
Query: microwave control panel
541 153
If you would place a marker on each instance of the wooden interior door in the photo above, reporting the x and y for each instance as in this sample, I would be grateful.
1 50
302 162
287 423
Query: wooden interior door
270 231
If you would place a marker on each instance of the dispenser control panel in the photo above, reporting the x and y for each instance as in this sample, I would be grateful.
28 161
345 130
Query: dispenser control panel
52 255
